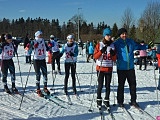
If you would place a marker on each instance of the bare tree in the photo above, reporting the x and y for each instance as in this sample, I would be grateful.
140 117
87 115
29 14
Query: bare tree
150 21
127 19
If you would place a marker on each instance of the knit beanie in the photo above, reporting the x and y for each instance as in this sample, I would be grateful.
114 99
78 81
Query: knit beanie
51 36
8 36
107 31
70 37
38 33
122 30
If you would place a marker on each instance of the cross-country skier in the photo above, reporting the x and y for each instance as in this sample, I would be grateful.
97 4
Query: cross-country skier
7 50
71 52
125 66
104 54
39 49
55 53
90 51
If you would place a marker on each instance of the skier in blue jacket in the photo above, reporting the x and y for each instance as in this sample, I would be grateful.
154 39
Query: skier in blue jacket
90 51
125 66
71 52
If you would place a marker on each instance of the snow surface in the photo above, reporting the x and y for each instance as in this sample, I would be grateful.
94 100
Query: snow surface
37 108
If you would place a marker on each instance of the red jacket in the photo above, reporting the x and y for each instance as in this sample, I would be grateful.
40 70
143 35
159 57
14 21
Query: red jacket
158 57
98 54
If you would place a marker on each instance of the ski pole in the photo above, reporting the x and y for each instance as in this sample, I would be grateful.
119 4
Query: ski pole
26 84
19 70
76 75
113 88
156 84
90 110
53 77
91 79
25 87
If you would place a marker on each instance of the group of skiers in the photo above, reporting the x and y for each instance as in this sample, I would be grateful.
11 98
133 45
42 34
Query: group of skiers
105 53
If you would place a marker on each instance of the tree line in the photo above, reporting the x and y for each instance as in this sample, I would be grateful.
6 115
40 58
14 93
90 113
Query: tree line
146 28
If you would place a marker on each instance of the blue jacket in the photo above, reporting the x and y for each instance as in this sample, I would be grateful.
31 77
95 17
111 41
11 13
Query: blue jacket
125 53
91 48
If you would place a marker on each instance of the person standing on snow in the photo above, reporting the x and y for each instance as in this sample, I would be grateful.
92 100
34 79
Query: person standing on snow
80 47
7 50
71 52
158 58
26 42
90 51
125 66
104 55
55 53
39 48
143 56
87 48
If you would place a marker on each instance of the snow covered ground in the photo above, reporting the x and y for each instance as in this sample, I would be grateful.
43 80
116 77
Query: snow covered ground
37 108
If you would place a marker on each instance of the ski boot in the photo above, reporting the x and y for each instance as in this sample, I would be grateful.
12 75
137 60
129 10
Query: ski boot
106 103
6 89
46 91
14 90
135 104
99 103
39 93
59 72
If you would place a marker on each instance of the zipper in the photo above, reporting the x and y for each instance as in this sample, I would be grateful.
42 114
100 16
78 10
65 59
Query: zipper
126 53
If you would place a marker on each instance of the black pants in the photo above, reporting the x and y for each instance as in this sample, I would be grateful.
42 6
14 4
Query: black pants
90 56
140 62
7 64
69 66
101 76
131 78
55 57
28 59
40 65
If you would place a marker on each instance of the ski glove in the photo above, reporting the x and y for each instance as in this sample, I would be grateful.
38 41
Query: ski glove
112 52
36 45
60 54
71 53
103 50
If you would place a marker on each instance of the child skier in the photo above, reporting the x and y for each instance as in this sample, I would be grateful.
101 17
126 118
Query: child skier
28 55
40 47
71 53
7 52
104 55
90 51
55 53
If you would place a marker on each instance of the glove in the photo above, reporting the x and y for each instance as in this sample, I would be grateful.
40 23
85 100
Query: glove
36 45
104 49
49 45
112 52
71 53
60 54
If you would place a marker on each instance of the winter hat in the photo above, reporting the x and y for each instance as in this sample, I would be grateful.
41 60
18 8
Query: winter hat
8 36
122 30
38 33
107 31
51 36
70 37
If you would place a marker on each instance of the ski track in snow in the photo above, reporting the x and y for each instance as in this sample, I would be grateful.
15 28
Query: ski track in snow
37 108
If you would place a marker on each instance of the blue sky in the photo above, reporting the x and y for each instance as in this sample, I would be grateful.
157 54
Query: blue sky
109 11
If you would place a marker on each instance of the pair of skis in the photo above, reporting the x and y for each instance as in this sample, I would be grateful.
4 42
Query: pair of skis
102 112
140 111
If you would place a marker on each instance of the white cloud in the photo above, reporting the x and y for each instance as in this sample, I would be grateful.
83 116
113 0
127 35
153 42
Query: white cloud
22 11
